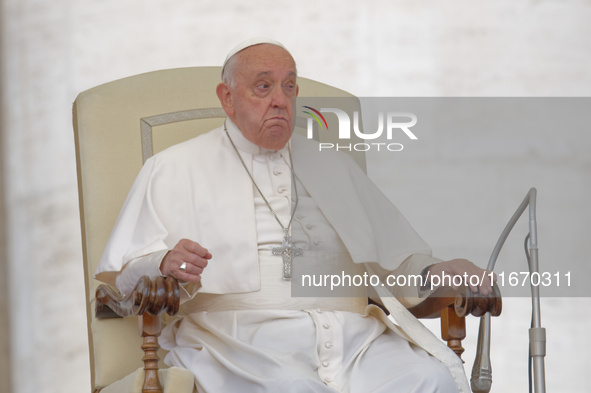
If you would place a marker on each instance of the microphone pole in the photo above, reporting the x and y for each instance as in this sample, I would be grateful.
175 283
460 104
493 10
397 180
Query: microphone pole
537 334
481 379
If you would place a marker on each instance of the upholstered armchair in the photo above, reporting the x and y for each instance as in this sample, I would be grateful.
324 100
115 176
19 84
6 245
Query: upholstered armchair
119 125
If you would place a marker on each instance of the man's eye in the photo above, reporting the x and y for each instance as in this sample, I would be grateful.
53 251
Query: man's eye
263 86
289 88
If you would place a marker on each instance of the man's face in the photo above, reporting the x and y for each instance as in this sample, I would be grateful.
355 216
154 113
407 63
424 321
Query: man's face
262 103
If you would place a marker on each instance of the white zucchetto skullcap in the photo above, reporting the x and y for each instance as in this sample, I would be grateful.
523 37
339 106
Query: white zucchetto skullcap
251 42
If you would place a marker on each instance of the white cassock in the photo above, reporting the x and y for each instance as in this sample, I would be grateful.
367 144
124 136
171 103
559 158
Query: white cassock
242 330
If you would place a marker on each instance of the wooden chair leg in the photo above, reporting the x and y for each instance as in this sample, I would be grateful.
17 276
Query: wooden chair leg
453 329
148 300
150 330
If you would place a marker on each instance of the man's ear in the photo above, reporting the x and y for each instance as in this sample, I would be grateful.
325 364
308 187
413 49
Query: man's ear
225 96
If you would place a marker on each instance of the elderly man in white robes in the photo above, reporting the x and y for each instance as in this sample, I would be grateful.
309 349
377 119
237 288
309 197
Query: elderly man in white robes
210 211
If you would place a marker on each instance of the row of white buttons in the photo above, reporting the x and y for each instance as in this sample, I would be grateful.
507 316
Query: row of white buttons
327 345
278 170
327 352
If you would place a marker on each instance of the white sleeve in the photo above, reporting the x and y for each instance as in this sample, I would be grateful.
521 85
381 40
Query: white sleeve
148 265
138 235
403 287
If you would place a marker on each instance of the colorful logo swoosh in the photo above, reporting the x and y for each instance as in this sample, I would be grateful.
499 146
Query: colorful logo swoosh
315 116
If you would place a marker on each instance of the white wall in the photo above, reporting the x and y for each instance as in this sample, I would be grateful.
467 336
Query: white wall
55 49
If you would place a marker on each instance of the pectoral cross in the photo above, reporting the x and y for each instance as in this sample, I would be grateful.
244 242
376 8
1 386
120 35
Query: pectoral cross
287 252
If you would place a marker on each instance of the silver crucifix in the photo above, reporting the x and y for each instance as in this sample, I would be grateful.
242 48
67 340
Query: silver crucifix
287 251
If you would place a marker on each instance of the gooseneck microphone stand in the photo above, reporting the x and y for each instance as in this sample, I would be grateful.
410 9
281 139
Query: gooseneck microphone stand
481 379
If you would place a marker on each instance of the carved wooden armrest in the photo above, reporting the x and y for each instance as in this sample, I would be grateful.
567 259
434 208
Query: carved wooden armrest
453 306
148 299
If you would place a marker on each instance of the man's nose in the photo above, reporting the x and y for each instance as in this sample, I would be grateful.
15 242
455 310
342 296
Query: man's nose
279 98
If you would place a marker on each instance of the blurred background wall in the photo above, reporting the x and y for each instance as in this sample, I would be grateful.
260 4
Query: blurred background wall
52 50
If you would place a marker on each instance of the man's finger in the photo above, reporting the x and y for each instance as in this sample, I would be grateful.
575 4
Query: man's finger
195 248
184 276
190 268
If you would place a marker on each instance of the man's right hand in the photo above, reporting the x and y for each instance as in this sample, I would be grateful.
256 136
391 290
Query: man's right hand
189 252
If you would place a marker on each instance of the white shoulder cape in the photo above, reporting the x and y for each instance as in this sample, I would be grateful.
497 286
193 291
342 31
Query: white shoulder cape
198 190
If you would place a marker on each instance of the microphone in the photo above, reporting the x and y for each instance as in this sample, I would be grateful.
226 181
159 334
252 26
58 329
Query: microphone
481 378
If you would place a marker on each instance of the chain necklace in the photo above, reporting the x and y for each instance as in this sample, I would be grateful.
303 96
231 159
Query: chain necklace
287 250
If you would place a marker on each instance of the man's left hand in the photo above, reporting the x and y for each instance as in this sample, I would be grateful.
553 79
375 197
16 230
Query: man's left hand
465 269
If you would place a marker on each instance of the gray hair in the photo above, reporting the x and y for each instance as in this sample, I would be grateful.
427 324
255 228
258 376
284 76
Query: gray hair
229 71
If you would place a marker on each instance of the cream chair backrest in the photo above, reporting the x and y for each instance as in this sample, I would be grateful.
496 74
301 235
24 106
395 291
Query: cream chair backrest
117 126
